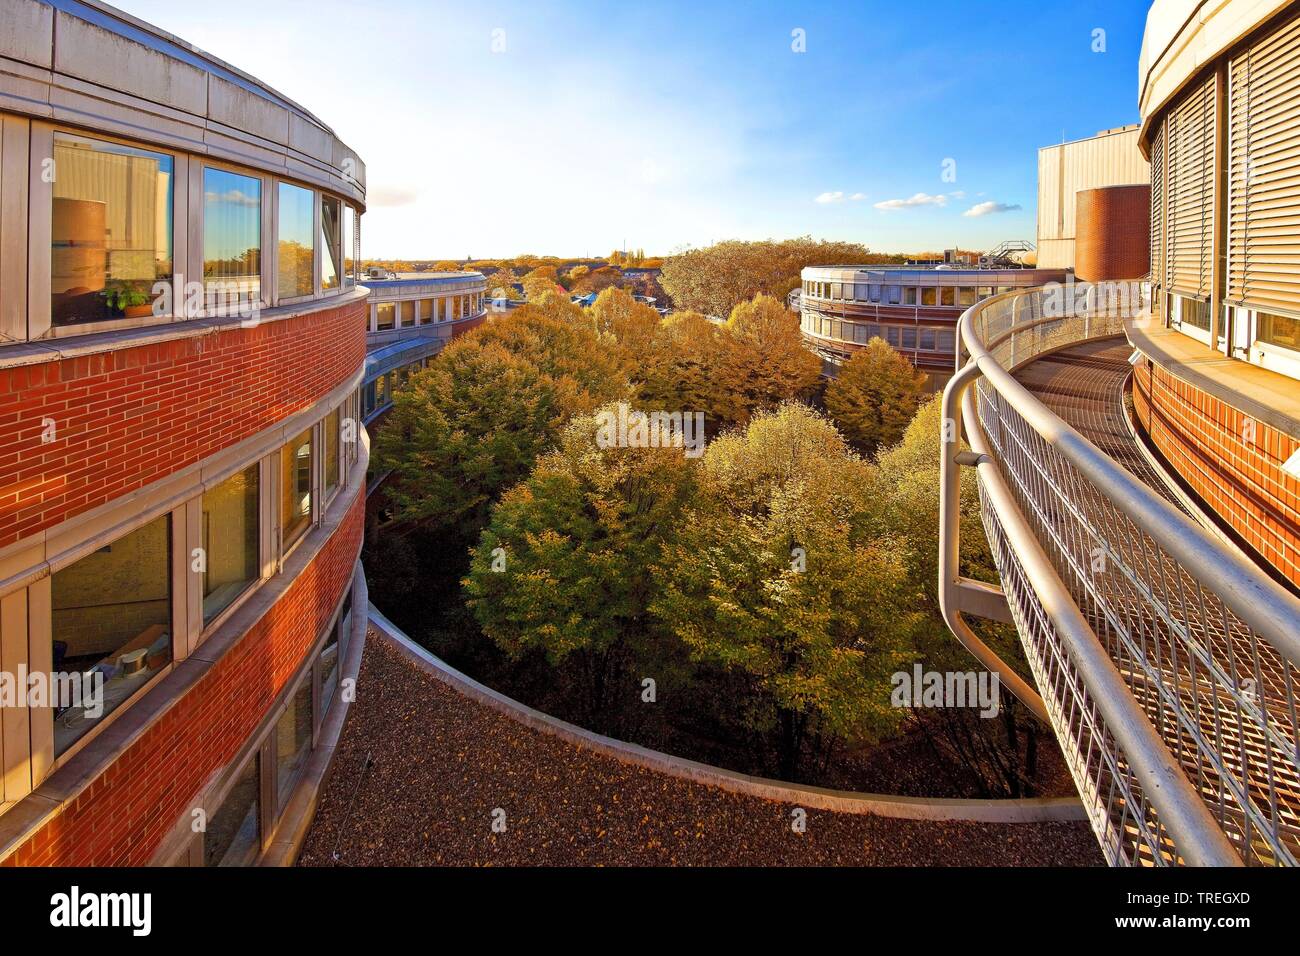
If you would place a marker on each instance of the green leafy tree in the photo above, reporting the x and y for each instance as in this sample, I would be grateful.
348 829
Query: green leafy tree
874 397
473 422
562 566
779 575
999 756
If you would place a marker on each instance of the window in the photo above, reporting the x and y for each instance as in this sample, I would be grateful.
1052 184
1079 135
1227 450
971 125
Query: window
860 334
332 422
110 230
367 399
292 742
426 310
909 338
297 249
836 292
385 316
928 296
383 395
331 236
232 236
111 622
947 296
233 835
927 339
967 297
329 663
349 241
986 291
875 293
909 295
947 340
230 541
894 293
408 314
1191 312
1279 330
295 489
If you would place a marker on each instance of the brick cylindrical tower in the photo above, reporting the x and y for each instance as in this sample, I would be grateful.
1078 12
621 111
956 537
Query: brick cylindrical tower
1113 233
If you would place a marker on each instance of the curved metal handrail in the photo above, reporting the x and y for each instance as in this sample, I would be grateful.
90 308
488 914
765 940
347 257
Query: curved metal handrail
1105 698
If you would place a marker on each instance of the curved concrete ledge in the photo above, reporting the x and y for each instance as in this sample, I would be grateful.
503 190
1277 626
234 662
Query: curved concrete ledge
843 801
300 811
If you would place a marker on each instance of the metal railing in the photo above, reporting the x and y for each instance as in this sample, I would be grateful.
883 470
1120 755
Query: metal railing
1168 664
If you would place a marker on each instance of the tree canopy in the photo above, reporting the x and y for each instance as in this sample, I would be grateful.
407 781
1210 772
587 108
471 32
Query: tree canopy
874 396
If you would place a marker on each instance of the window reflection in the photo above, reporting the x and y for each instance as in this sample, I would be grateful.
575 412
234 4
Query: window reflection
297 248
232 234
110 230
330 237
295 488
230 536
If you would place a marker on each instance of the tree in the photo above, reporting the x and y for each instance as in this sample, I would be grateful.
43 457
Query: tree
562 566
598 280
632 324
501 284
874 397
716 279
472 423
765 360
1000 755
778 574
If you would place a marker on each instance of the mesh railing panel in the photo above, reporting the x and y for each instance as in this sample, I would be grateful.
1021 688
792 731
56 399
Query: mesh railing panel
1222 698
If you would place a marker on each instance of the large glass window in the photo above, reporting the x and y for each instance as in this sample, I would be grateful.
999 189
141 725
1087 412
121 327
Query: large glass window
329 663
295 488
929 296
947 296
909 295
1279 330
230 541
110 230
292 742
408 314
233 834
232 235
385 316
297 248
426 310
111 627
331 234
332 421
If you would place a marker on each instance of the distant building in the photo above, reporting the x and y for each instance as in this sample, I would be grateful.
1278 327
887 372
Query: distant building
913 308
1111 158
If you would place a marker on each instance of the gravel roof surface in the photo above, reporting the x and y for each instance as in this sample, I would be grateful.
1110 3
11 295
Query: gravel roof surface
441 763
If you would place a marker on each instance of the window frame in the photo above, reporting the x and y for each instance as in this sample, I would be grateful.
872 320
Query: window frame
268 224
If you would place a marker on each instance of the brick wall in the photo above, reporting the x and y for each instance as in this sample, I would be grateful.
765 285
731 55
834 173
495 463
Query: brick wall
123 815
1237 474
1112 228
126 418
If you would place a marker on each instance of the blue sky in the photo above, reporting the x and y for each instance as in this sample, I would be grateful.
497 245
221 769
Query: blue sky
665 125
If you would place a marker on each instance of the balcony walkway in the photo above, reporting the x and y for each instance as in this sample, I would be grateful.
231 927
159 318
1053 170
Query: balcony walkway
1084 386
441 762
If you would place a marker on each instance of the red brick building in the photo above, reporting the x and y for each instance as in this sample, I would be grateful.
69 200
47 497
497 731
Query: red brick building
182 462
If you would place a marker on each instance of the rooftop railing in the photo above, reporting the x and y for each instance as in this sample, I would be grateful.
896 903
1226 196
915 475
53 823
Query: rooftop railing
1168 664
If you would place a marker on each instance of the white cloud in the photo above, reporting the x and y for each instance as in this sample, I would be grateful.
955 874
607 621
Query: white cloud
959 194
857 197
830 197
920 199
985 208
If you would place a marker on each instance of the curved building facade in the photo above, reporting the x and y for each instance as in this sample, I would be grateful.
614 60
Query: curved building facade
914 309
1113 233
1217 384
182 346
411 318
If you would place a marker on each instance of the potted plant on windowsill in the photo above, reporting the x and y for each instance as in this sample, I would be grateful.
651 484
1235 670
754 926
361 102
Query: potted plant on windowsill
127 301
